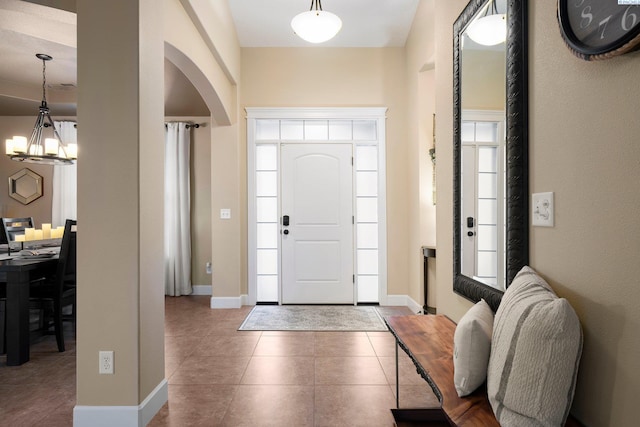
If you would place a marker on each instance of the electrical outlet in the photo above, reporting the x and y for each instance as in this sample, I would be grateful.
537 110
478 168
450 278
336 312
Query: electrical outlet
208 268
105 361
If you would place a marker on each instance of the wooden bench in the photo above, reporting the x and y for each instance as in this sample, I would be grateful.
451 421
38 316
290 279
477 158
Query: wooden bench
428 341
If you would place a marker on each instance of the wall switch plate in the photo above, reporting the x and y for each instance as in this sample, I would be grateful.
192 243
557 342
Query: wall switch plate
105 361
225 213
542 209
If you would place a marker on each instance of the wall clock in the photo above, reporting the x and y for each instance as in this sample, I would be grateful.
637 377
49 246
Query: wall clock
600 29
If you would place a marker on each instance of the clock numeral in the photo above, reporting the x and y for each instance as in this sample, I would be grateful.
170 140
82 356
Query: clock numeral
578 3
629 19
587 17
603 26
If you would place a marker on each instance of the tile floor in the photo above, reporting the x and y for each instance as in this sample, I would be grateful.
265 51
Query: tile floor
219 376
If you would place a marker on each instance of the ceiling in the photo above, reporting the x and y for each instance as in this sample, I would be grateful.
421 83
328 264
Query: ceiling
27 28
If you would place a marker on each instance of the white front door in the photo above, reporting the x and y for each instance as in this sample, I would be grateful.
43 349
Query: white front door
317 203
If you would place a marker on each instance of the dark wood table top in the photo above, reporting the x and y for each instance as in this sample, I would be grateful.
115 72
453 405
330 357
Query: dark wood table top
428 340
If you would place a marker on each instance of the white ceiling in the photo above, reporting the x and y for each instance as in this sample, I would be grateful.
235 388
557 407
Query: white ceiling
365 23
27 28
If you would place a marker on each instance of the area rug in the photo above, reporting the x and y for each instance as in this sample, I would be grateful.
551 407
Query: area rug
313 318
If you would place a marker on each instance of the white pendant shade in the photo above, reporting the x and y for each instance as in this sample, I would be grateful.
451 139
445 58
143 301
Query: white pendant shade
316 26
489 30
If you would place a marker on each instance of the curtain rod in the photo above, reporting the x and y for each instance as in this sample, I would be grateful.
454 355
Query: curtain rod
189 124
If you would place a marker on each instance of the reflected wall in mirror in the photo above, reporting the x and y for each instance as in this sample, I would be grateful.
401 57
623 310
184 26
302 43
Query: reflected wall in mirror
490 153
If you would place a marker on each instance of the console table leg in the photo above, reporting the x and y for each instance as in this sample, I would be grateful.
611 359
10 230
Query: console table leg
397 379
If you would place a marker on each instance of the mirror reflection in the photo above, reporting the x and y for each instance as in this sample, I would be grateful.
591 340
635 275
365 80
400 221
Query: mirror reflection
482 132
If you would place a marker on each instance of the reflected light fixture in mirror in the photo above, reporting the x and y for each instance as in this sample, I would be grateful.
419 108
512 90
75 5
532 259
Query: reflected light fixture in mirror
39 149
489 29
316 25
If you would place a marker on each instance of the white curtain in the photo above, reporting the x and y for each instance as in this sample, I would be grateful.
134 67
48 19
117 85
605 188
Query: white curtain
177 223
65 189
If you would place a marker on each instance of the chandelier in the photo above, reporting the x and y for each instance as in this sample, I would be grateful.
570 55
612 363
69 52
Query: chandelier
490 29
40 148
316 25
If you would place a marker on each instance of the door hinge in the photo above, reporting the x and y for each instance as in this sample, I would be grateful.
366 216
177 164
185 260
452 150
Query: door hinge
353 219
351 160
354 278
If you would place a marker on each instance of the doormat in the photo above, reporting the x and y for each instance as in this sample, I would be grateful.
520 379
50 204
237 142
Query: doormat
313 318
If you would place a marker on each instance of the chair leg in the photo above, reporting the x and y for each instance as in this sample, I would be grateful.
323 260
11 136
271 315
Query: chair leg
3 332
57 325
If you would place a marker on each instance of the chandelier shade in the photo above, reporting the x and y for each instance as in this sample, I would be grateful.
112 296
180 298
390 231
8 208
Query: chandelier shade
45 145
489 29
316 25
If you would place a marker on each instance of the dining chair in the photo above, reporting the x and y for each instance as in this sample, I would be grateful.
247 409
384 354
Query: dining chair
11 227
59 291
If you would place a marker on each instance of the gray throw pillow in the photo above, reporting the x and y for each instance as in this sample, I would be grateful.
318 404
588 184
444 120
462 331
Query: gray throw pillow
471 348
535 353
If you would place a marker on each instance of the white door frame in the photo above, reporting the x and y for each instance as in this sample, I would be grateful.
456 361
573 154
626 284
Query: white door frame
374 113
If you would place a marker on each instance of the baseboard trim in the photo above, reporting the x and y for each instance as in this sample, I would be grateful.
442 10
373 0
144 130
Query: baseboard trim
201 290
123 416
404 300
226 302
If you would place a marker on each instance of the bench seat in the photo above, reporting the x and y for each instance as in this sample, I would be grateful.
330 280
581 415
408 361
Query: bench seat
428 340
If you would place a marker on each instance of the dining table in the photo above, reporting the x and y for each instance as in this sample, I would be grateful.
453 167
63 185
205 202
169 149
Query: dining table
18 272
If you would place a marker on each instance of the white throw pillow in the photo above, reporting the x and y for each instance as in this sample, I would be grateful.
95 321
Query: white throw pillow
535 353
471 348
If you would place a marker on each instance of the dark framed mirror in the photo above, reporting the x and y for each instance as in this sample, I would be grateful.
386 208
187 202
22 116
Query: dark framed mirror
510 209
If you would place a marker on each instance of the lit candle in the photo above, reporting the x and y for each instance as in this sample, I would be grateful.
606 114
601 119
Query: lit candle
29 234
72 151
19 144
37 234
20 238
35 150
46 231
9 146
51 147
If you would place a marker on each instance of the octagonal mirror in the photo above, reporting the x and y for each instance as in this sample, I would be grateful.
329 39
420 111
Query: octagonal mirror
25 186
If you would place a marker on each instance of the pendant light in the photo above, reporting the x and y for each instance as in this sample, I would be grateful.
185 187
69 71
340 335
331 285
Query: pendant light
40 148
316 25
490 29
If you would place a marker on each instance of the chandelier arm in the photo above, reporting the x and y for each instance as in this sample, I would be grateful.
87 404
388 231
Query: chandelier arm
61 145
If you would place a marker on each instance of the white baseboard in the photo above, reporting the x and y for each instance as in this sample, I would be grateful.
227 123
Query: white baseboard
404 300
226 302
123 416
201 290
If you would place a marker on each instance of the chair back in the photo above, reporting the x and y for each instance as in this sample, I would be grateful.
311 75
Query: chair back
13 226
66 270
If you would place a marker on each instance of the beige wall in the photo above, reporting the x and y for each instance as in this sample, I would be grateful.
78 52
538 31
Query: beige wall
303 77
483 75
420 78
39 209
120 249
584 148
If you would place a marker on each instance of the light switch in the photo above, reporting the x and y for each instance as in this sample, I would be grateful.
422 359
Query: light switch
542 209
225 213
